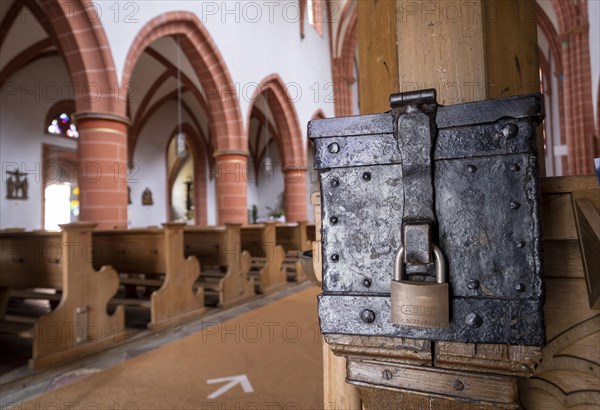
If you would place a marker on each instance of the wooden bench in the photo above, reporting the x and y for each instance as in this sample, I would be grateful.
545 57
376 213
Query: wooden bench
224 266
293 237
79 325
311 232
158 255
266 262
568 375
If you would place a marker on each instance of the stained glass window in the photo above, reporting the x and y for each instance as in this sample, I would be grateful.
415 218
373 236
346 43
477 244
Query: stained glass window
63 126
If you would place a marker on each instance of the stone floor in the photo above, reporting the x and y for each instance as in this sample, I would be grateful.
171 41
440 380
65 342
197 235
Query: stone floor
18 383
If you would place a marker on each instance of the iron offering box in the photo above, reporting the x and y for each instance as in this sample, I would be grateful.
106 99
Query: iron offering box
463 178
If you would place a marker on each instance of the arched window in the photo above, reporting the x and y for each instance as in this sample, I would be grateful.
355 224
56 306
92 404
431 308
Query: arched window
59 121
63 126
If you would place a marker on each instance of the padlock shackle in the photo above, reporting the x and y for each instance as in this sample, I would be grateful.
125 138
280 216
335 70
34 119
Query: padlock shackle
440 270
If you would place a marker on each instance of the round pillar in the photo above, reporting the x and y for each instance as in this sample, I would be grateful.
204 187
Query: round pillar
103 171
232 180
295 194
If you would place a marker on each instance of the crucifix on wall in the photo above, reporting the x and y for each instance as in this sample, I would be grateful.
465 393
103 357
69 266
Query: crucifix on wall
16 185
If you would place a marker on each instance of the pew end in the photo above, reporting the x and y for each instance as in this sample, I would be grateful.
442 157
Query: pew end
79 324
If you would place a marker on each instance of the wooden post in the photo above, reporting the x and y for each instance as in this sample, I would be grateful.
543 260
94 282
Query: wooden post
467 51
378 55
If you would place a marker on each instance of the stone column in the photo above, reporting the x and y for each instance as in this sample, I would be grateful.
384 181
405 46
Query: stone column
295 194
232 184
103 171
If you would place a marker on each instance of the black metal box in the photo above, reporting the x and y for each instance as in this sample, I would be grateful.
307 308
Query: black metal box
467 170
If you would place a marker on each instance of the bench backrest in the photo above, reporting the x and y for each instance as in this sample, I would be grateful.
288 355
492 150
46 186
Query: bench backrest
293 237
33 259
214 246
131 250
259 239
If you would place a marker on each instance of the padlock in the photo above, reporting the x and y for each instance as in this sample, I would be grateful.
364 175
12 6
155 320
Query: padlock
420 304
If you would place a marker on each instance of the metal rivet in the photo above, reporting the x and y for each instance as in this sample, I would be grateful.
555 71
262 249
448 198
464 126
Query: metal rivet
515 205
333 220
367 282
335 182
367 316
515 168
473 284
387 375
520 287
520 244
473 320
333 148
472 169
366 176
458 385
335 257
510 130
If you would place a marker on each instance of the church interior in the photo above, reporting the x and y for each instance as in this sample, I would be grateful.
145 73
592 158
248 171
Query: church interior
161 224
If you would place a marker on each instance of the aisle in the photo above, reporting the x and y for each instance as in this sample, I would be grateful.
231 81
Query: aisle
273 353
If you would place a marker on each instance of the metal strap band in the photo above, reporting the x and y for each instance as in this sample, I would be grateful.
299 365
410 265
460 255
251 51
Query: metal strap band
415 131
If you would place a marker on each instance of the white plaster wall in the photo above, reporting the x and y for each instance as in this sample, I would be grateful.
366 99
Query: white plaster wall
267 191
552 119
211 194
150 160
24 102
355 95
271 187
255 38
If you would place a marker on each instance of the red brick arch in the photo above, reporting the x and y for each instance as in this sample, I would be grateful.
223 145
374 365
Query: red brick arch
290 143
581 135
204 56
343 65
75 28
83 44
318 115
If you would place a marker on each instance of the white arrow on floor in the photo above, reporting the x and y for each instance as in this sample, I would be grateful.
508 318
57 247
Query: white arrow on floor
233 381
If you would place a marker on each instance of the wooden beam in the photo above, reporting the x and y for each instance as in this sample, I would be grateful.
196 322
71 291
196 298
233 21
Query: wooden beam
512 64
377 55
440 45
511 47
463 51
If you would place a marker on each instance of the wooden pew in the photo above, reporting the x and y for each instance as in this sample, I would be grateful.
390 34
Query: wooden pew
293 237
311 232
568 375
224 266
79 325
259 240
158 254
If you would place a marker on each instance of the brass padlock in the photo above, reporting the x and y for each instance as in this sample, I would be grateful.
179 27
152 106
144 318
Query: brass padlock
421 304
